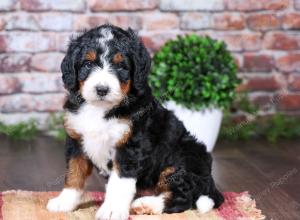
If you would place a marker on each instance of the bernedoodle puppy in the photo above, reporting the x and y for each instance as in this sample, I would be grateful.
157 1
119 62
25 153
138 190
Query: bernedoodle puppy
114 124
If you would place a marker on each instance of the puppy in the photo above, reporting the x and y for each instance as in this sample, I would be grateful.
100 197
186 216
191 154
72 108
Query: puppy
114 123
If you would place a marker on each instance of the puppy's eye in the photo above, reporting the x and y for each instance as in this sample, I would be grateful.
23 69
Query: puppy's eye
87 64
123 67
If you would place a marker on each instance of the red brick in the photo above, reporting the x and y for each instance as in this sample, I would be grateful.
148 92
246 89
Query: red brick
8 5
3 42
251 42
82 22
30 83
46 5
2 23
289 63
121 5
14 62
55 21
22 22
241 42
62 42
125 21
294 82
297 4
192 5
158 21
258 63
40 82
228 21
9 84
263 22
255 5
35 5
154 41
195 21
288 102
238 60
291 21
263 102
266 83
46 62
281 41
28 42
67 5
28 103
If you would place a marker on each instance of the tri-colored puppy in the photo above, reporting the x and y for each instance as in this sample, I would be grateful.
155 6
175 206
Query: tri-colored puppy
115 124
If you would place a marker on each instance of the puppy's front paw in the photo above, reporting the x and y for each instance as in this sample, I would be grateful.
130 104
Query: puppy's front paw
67 201
112 212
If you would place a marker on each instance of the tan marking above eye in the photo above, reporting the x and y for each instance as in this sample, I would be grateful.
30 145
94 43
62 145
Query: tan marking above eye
90 56
125 87
118 58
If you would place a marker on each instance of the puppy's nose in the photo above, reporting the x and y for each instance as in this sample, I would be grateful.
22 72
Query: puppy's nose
102 90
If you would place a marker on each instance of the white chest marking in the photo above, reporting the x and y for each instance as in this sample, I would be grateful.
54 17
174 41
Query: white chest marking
99 135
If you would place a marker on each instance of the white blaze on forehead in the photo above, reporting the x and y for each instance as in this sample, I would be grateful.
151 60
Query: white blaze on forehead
106 36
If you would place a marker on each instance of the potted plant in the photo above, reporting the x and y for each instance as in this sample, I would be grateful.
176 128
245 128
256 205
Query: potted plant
196 78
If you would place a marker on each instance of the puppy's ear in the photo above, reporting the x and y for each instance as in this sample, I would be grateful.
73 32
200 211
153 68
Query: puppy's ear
68 70
141 64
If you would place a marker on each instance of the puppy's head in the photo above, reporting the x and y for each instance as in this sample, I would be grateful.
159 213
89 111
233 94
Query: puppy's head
106 64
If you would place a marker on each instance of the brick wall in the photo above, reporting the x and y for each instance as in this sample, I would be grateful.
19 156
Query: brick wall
262 34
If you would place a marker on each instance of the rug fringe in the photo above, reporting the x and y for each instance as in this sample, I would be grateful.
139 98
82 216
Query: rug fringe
248 205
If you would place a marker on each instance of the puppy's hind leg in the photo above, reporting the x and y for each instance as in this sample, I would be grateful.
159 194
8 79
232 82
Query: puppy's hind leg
148 205
216 195
213 199
177 188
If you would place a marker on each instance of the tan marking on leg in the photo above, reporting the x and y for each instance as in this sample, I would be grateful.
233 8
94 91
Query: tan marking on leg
163 185
116 167
127 134
79 168
124 139
71 131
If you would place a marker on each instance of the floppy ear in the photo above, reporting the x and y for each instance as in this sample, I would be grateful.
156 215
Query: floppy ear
68 70
141 63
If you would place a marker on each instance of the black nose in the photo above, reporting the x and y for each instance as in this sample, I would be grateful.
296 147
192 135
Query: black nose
102 90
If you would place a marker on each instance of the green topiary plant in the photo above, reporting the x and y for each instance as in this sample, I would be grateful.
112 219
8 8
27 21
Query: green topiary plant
196 72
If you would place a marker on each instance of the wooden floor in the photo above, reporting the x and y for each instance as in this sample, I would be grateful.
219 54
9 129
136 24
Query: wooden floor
270 173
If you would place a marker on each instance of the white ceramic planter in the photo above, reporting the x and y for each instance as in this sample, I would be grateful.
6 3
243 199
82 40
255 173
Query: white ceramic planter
204 125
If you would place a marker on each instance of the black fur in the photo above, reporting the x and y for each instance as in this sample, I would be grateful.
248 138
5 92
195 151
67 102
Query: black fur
158 140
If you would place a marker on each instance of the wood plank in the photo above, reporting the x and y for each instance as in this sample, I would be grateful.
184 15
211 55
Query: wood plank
37 165
237 175
282 170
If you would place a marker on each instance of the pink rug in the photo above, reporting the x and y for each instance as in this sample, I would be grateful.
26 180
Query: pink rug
25 205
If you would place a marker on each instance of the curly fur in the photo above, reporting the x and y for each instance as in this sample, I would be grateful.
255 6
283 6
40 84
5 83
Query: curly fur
160 154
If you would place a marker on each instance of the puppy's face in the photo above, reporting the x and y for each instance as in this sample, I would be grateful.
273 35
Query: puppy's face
105 65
